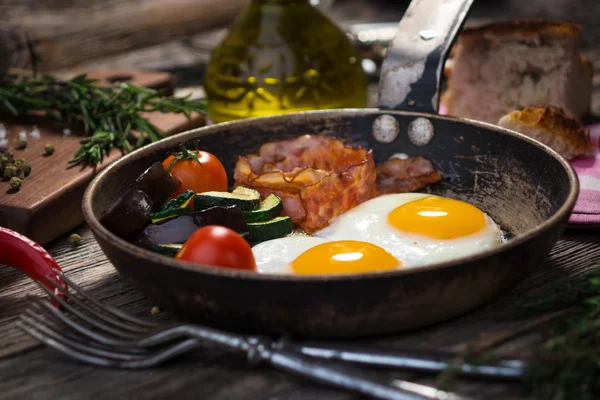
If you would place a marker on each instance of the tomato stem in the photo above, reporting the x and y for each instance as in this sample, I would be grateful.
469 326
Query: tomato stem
185 155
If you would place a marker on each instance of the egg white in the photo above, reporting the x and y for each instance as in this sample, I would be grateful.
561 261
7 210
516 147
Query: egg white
275 256
368 223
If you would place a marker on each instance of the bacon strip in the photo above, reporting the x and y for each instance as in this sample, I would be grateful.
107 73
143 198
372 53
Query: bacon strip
405 175
317 177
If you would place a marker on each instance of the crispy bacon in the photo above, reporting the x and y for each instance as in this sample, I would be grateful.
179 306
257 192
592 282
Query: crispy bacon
317 177
405 175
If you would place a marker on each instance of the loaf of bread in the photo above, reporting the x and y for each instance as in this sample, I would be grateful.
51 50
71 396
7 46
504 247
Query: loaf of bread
502 67
551 126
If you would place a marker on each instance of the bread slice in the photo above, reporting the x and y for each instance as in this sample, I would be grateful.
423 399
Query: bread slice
551 126
502 67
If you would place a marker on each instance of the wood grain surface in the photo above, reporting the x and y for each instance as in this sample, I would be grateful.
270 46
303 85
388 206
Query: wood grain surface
68 32
214 374
49 202
30 371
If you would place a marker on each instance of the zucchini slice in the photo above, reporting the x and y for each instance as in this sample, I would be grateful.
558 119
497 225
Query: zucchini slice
174 207
180 201
270 208
167 249
160 216
244 198
267 230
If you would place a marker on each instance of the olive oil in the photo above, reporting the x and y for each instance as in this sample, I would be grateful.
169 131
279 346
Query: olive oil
283 56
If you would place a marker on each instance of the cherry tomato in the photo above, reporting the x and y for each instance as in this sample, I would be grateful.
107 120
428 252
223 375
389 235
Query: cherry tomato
218 246
207 177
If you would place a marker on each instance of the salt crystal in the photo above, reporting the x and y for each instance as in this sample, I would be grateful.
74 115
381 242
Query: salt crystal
66 131
23 135
35 133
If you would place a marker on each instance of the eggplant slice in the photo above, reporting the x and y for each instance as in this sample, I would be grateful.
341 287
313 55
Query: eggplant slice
146 195
178 230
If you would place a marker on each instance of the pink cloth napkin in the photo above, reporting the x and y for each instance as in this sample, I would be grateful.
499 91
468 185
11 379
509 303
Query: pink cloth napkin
587 209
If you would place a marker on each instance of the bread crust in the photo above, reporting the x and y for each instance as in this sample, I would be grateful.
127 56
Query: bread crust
491 88
552 126
587 64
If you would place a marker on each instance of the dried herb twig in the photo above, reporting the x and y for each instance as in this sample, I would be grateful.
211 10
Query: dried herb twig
567 365
112 116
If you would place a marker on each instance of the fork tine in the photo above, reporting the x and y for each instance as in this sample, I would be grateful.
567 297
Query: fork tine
52 312
108 308
86 318
146 362
150 340
74 300
75 342
65 350
71 334
164 355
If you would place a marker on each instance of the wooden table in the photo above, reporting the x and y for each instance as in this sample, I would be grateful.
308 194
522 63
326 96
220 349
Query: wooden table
30 371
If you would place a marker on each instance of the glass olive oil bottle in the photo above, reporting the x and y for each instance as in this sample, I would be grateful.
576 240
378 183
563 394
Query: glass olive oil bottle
282 56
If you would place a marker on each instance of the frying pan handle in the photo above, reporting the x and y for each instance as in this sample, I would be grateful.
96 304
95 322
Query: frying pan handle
412 69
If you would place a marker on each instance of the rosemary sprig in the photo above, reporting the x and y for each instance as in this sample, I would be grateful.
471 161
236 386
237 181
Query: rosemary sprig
567 365
112 116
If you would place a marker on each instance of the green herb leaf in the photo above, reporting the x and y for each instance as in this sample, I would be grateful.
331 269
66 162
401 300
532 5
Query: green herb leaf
567 365
112 116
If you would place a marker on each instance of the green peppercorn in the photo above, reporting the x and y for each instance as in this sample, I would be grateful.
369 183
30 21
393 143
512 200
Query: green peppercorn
15 183
21 144
6 156
48 150
9 171
24 165
7 159
19 173
75 240
5 152
3 163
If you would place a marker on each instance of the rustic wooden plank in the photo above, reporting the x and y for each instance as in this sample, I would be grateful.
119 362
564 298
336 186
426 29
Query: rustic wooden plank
67 32
49 201
214 374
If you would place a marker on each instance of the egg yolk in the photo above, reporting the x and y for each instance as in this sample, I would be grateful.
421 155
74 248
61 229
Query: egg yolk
438 218
344 257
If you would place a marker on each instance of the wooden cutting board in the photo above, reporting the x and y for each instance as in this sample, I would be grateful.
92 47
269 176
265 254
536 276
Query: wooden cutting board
49 202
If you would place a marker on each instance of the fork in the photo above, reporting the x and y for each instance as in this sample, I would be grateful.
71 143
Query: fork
116 347
137 334
103 335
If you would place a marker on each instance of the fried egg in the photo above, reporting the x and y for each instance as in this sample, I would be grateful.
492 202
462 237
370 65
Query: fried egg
275 256
391 231
315 256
